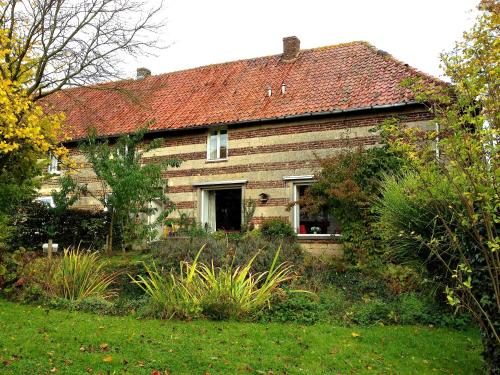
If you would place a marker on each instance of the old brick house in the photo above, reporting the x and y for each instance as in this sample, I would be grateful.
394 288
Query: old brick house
250 129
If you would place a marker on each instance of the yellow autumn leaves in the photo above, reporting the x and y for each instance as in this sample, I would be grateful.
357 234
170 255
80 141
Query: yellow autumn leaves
23 123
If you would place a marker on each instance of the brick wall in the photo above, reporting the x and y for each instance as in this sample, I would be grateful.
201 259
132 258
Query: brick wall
260 154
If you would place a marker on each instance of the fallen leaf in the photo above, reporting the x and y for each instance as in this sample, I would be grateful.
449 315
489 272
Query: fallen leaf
89 370
53 369
104 347
140 363
355 334
108 358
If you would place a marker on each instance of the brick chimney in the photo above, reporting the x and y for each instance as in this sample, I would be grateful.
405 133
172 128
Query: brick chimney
143 73
291 48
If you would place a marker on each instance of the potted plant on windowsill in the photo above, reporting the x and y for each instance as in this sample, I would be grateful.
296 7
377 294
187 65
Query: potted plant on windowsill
315 230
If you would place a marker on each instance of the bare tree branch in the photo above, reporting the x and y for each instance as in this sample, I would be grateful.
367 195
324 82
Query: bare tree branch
75 42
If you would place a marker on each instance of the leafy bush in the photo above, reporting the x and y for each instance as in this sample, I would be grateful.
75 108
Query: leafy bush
216 292
12 267
277 228
345 187
34 223
372 312
401 278
302 308
224 251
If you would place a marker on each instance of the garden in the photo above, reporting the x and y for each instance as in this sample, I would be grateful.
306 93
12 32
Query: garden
417 289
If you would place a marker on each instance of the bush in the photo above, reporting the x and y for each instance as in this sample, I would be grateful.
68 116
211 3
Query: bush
34 223
277 228
401 278
75 276
216 292
372 311
13 266
299 308
222 251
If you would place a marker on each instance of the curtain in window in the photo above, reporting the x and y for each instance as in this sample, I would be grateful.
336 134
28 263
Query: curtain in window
211 211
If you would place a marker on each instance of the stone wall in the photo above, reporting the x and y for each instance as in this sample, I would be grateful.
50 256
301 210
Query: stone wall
260 154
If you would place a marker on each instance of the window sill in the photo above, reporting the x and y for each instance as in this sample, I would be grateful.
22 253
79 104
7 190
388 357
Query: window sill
216 160
318 236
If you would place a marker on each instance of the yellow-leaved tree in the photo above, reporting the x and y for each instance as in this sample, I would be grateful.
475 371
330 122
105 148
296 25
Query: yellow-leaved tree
27 134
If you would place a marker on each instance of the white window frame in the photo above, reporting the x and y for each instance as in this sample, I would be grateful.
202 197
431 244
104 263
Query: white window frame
206 188
217 131
296 211
53 167
46 199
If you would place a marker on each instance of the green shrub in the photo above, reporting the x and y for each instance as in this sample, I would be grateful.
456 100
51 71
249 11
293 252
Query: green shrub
80 275
302 308
277 228
216 292
33 221
372 312
225 250
13 266
401 278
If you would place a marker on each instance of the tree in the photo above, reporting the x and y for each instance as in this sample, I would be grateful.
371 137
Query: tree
26 135
346 186
128 185
71 42
46 45
462 153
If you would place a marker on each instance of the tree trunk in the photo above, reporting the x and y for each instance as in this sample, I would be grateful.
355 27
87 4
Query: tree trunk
109 244
491 352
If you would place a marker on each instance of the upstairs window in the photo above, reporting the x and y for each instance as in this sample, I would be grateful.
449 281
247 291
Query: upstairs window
54 165
217 144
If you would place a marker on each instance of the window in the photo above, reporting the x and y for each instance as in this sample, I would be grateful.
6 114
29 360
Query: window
46 199
221 209
306 224
107 205
217 144
54 165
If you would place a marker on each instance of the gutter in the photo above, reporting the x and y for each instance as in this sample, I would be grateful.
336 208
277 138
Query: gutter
265 120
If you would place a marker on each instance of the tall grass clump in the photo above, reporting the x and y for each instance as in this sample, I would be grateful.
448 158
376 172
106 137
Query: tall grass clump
215 292
81 274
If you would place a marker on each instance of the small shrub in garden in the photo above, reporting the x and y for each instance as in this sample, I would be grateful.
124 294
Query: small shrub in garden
401 278
216 292
226 250
277 228
302 308
81 274
74 276
372 312
12 268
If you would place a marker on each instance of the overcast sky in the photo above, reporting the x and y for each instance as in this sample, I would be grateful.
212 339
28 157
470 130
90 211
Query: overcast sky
202 32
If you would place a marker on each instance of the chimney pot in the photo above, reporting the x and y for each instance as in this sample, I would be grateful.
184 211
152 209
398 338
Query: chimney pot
291 48
143 73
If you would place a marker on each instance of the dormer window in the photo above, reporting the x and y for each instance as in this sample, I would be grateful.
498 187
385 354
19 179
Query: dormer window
54 165
217 144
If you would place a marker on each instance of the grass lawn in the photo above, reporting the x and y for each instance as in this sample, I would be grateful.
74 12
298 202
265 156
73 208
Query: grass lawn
37 341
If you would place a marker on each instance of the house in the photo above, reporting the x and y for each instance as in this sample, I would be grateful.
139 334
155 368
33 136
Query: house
249 129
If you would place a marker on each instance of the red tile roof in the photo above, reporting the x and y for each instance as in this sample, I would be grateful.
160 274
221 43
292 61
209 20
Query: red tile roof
341 77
